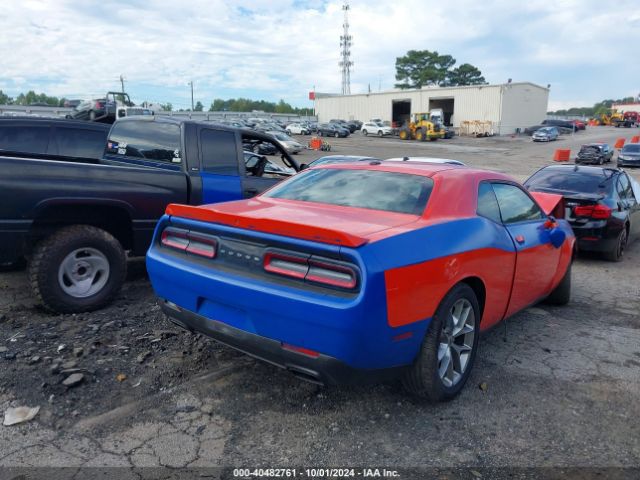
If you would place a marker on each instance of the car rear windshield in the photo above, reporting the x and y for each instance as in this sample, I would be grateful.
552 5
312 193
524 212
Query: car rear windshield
591 149
570 181
388 191
631 148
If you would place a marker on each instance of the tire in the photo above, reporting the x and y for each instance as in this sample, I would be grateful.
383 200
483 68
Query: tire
600 160
405 134
365 133
336 135
319 133
380 134
92 116
80 247
562 293
424 379
616 253
288 132
256 149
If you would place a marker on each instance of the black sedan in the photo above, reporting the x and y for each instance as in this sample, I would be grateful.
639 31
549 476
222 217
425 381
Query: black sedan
601 204
332 130
595 153
629 156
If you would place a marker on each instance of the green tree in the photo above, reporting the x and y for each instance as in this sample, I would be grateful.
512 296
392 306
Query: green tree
465 74
5 99
422 67
167 107
198 107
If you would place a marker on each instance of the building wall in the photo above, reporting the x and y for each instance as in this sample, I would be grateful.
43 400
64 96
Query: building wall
626 107
523 105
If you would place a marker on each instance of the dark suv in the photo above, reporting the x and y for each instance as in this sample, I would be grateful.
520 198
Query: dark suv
595 153
332 130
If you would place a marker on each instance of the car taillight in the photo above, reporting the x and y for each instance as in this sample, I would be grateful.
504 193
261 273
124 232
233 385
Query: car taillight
99 105
597 212
287 265
194 243
330 274
311 270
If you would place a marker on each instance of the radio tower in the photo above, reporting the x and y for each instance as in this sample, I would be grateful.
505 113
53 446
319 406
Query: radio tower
345 52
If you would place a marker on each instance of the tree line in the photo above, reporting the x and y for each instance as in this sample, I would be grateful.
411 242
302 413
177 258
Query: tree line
598 108
31 98
244 105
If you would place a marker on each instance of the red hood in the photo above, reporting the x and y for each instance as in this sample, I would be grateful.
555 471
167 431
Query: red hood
331 224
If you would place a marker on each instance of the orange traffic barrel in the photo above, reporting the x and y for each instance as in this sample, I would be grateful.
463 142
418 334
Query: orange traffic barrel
635 139
315 143
562 155
619 143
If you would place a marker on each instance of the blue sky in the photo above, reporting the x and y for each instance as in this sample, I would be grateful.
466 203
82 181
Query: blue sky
272 49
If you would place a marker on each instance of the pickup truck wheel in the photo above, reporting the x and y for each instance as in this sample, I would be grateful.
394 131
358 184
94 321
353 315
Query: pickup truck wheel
449 348
562 293
79 268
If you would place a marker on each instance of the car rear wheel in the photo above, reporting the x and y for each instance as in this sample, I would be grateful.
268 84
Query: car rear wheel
448 351
380 134
617 252
365 133
79 268
336 134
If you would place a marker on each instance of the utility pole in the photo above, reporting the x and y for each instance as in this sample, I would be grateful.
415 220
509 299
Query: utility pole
345 52
122 82
191 84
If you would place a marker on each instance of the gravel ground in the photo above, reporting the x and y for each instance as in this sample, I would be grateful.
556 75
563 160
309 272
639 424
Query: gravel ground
557 387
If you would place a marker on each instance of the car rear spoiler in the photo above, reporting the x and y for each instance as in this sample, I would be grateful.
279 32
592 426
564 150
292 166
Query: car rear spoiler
267 225
551 203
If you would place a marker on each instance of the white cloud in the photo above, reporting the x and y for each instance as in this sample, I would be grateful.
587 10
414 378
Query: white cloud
277 47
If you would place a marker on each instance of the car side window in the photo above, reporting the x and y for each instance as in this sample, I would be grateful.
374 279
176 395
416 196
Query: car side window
515 205
72 142
157 141
24 139
488 203
219 152
624 187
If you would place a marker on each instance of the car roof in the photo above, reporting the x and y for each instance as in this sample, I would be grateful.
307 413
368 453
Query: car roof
426 160
58 121
586 169
417 168
595 144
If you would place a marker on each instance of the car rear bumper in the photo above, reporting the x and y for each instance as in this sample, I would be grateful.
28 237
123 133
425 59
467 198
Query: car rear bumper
596 239
321 369
589 160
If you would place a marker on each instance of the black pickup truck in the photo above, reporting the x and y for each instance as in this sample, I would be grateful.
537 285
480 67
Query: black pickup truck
74 218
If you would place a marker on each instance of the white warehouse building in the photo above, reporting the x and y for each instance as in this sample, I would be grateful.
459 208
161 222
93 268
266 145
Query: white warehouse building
508 106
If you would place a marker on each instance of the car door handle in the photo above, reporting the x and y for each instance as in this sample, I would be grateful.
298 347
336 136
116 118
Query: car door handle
520 239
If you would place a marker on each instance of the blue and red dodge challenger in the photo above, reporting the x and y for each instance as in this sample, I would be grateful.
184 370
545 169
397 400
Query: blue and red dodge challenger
365 271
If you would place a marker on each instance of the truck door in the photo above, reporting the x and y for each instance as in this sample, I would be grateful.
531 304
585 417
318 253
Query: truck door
537 259
220 172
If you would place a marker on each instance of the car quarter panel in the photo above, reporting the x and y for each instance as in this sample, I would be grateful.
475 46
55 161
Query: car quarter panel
421 266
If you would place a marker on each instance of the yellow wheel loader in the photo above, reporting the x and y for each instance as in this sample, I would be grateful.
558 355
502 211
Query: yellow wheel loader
421 128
